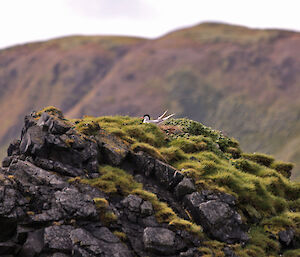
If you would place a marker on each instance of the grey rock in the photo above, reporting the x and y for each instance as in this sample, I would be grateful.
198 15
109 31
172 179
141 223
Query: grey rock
146 208
286 237
7 161
143 163
113 150
84 242
60 255
75 203
8 248
29 174
14 147
58 238
33 142
52 124
34 244
132 202
49 139
53 214
167 175
218 218
192 252
150 221
104 234
159 240
186 186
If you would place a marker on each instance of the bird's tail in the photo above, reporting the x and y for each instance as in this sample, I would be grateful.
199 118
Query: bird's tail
168 117
160 117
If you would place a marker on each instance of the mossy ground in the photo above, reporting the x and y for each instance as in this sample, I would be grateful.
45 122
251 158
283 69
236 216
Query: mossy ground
267 200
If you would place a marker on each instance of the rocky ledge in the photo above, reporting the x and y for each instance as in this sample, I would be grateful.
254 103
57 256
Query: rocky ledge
46 210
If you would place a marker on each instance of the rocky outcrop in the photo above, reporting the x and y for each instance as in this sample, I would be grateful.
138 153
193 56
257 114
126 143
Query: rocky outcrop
44 213
47 210
54 145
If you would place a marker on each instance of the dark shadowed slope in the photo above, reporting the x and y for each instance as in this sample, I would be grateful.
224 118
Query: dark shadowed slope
244 81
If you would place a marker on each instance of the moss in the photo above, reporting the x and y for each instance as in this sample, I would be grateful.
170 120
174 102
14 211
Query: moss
259 158
87 127
108 218
291 253
144 147
261 239
172 154
113 180
51 110
121 235
186 145
181 224
212 248
235 152
101 203
69 142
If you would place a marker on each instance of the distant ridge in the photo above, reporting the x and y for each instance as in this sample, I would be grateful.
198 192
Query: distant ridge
243 81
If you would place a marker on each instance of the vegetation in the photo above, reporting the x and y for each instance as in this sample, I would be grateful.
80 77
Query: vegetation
267 200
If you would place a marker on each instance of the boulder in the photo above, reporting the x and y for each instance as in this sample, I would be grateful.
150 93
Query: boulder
143 163
219 218
84 242
58 238
132 202
34 244
186 186
146 208
286 237
14 147
75 203
159 240
167 175
112 150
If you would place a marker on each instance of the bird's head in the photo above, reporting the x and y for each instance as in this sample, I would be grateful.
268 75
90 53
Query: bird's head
146 117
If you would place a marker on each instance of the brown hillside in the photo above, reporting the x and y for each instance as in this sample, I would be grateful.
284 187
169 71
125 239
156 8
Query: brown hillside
243 81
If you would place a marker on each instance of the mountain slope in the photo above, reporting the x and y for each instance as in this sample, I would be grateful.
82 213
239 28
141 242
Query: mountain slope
113 186
60 72
243 81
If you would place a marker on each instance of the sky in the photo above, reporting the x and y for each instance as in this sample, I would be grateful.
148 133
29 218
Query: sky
23 21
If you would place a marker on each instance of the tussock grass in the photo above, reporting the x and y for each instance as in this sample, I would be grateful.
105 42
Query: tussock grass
51 110
283 168
260 158
172 154
144 147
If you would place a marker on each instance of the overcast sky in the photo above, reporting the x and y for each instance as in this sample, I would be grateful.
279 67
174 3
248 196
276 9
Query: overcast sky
24 21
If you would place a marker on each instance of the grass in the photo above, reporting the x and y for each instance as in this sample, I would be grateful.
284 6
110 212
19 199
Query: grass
266 199
260 158
51 110
121 235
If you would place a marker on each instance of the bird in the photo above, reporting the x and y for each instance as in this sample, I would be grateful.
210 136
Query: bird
159 120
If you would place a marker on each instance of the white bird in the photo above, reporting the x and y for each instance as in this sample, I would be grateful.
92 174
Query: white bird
159 120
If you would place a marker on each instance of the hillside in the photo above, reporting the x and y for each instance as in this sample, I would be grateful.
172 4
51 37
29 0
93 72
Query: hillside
240 80
113 186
